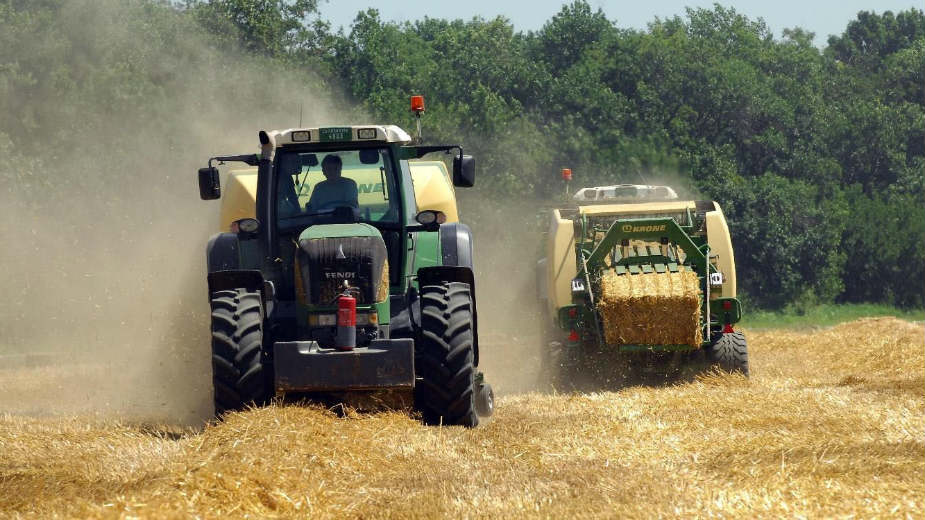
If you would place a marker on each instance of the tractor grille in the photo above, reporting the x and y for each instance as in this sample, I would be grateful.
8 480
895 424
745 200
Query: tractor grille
323 265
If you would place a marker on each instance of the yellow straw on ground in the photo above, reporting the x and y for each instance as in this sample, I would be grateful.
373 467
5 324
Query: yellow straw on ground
828 426
651 308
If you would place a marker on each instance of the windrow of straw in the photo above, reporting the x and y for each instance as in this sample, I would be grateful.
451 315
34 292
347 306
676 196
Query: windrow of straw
651 308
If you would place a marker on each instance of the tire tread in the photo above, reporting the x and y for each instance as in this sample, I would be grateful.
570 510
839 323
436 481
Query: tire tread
444 356
730 353
240 376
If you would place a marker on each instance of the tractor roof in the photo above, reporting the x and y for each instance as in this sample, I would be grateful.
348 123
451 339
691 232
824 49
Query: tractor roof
341 134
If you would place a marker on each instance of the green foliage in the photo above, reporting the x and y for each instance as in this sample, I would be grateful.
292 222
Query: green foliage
791 246
273 28
871 38
884 239
565 39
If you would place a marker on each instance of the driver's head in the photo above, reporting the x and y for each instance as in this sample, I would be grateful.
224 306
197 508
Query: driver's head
331 166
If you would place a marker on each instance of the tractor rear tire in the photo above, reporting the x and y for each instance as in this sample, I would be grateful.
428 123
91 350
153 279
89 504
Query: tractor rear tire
240 376
729 353
444 356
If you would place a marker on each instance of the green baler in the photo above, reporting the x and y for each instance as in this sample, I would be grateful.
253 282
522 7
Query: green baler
613 237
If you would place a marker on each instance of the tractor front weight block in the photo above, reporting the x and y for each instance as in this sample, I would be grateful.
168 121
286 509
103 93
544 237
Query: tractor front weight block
303 366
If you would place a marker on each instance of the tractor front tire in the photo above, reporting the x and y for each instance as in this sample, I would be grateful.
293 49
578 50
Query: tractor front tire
444 356
729 353
239 374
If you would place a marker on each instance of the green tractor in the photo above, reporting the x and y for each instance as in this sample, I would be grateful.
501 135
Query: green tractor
341 271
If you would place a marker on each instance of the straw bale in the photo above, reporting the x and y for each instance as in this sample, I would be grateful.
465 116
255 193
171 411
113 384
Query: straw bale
651 308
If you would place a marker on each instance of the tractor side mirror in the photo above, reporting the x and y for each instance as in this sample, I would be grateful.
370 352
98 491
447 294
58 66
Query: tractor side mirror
210 187
463 171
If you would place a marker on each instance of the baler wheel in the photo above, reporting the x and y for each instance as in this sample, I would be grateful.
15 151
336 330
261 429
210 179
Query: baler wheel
444 356
730 353
239 376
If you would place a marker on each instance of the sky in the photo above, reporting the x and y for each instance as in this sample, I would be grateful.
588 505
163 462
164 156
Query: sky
823 17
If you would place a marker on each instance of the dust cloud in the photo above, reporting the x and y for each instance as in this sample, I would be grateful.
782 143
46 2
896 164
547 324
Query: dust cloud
507 237
103 259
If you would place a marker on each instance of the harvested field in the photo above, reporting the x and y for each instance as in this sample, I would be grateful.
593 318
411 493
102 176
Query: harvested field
652 308
831 424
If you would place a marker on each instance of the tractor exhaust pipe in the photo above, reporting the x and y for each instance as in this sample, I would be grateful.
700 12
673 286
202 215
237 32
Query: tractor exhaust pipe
267 145
264 169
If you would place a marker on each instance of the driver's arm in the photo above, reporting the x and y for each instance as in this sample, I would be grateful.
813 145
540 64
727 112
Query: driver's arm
353 194
316 198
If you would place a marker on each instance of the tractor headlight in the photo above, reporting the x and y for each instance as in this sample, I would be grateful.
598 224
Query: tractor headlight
367 318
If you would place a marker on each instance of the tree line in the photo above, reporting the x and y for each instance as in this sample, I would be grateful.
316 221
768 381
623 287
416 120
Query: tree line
816 155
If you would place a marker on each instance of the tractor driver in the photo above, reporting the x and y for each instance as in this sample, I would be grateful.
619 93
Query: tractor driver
335 190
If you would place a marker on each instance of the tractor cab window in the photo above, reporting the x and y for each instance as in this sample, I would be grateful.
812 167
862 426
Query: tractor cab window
311 186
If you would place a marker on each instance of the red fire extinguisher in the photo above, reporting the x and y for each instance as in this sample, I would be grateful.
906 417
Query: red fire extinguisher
346 338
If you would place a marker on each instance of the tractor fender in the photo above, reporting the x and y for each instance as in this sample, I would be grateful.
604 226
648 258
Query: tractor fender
455 273
251 280
223 252
223 257
456 244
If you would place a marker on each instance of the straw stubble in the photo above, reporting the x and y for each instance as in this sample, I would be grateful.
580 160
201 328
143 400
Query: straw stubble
829 425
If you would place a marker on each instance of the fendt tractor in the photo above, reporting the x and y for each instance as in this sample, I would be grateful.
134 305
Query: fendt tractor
634 274
341 270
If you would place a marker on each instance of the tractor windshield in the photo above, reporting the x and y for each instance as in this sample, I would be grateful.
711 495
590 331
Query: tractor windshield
312 185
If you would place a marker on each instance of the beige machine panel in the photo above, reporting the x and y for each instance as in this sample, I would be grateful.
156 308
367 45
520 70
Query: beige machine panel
238 197
721 247
560 262
433 188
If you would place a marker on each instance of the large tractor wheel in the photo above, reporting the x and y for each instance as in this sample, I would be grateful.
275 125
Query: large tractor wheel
239 376
729 353
444 357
